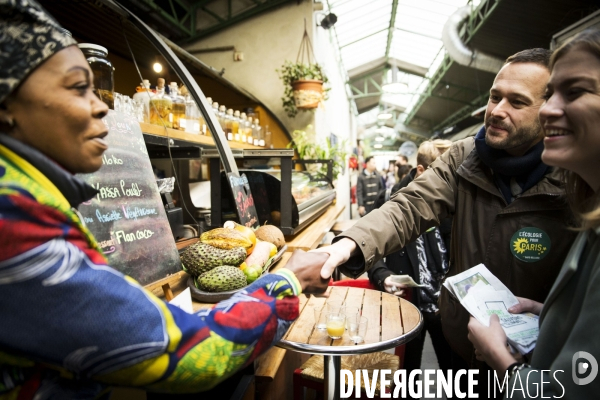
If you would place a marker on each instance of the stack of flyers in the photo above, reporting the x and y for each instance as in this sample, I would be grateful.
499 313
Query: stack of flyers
482 294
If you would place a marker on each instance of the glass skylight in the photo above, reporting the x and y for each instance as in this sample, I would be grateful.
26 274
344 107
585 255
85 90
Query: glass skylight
363 29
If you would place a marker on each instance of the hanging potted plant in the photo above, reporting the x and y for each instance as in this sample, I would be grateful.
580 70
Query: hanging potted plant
303 81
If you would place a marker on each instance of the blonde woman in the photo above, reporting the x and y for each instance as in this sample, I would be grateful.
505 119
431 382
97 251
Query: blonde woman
565 361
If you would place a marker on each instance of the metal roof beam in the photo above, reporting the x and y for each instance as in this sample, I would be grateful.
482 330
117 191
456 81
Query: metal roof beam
391 28
174 17
226 20
463 112
383 63
475 21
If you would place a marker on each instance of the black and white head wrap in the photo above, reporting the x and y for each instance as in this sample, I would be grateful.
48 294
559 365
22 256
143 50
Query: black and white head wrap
28 37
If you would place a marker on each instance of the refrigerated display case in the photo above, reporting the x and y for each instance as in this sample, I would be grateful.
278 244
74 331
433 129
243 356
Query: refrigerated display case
283 197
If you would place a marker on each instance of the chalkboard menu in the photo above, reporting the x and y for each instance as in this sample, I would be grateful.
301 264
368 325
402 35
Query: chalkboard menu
127 217
244 202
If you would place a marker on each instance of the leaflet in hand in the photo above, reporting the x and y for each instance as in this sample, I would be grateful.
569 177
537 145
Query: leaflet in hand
405 280
482 294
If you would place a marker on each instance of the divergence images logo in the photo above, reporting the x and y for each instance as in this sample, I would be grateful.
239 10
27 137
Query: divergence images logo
582 363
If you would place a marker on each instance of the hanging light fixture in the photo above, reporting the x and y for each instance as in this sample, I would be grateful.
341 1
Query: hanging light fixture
394 85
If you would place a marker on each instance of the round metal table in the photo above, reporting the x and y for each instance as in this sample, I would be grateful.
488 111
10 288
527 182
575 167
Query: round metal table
392 322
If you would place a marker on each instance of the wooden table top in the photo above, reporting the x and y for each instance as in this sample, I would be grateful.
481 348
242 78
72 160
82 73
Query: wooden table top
392 321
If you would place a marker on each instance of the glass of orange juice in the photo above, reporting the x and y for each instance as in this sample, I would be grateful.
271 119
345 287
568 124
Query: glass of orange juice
336 324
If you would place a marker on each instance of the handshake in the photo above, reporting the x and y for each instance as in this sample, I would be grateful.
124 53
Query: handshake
314 268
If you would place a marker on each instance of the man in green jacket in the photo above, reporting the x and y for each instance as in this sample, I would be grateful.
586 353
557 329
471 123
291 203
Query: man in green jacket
502 197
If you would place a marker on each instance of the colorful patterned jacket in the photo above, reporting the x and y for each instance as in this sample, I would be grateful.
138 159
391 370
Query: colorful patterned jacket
72 326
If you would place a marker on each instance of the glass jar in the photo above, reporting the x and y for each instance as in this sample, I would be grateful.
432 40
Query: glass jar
104 85
161 107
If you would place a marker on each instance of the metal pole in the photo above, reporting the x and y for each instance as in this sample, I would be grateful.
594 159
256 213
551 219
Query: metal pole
333 366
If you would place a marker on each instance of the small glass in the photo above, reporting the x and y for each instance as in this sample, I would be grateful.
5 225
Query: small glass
352 313
320 318
336 307
358 330
336 324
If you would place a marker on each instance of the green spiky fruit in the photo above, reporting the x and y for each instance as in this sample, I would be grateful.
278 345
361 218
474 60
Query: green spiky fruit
221 279
201 257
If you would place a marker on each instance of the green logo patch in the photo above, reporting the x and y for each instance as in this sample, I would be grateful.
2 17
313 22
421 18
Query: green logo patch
530 244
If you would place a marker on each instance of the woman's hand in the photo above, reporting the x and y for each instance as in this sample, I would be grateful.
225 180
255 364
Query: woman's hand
526 305
491 344
392 287
307 268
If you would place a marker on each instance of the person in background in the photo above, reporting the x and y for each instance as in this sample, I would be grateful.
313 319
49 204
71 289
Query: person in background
403 170
391 175
368 186
569 329
426 262
497 190
401 159
73 326
359 150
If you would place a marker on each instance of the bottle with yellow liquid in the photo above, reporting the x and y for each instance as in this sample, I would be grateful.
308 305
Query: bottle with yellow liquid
178 109
235 126
229 125
161 106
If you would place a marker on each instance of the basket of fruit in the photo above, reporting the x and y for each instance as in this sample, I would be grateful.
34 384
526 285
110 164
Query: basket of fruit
228 259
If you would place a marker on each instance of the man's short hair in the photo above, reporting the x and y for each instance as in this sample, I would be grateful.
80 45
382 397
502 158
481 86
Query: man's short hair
402 156
368 159
537 56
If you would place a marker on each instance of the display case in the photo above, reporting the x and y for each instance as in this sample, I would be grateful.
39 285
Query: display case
283 197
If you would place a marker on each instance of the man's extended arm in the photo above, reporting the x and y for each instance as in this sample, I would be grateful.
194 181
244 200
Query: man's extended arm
409 213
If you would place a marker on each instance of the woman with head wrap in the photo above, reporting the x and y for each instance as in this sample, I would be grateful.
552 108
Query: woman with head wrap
72 326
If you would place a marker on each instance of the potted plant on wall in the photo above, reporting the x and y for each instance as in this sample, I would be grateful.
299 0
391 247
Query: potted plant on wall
303 81
303 86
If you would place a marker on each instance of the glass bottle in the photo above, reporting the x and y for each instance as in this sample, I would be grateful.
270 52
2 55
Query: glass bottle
178 109
104 85
235 126
249 131
229 124
243 131
221 116
191 122
253 130
256 133
266 141
143 95
161 106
